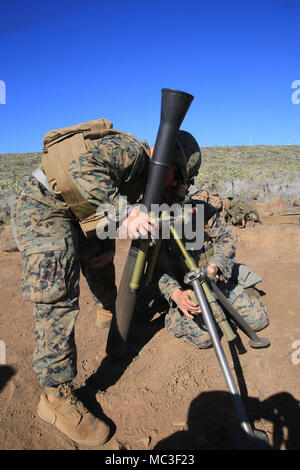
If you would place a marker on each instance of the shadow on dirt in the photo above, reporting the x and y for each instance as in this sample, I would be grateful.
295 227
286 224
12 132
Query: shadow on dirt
148 319
282 409
144 326
6 373
213 424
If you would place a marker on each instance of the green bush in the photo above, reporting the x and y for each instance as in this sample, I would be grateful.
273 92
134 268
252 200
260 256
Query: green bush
15 167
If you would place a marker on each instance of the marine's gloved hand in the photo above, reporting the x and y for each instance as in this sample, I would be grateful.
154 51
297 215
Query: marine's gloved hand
184 302
139 223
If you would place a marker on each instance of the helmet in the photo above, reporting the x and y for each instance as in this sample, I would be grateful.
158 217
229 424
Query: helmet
187 156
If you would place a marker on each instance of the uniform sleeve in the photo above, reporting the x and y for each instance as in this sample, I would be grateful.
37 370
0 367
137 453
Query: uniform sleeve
224 244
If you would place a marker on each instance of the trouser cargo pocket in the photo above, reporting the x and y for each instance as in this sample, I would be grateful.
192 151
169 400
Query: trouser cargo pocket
43 275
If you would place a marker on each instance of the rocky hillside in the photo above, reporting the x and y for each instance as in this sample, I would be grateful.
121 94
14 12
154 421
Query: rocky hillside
239 172
246 171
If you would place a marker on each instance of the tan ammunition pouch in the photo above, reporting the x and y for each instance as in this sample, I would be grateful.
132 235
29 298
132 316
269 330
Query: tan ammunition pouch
63 146
204 257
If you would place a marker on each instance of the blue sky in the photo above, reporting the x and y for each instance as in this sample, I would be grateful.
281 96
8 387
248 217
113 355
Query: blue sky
69 61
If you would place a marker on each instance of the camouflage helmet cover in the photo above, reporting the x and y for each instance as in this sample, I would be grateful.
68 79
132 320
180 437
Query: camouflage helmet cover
187 155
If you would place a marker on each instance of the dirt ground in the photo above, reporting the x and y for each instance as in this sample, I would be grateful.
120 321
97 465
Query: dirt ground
170 395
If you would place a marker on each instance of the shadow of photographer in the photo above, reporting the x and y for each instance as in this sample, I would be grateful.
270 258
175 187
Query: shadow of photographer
213 423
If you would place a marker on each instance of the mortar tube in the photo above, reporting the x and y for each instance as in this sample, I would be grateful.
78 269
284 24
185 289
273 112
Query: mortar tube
174 106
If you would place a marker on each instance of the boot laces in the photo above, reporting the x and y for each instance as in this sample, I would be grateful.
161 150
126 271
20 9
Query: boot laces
66 390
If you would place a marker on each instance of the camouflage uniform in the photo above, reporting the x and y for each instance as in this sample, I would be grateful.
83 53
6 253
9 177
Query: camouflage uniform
218 248
54 249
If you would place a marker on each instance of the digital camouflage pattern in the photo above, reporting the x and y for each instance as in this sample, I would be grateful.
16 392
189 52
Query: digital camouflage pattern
248 305
115 166
54 250
240 212
218 248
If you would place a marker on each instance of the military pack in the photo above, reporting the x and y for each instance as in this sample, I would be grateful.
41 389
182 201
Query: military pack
61 147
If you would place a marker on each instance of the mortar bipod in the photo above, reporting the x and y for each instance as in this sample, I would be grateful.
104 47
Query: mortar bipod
197 278
210 309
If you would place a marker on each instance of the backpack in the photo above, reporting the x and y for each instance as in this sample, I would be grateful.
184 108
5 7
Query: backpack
61 147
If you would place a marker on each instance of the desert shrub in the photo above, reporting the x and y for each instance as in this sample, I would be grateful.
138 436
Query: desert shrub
15 167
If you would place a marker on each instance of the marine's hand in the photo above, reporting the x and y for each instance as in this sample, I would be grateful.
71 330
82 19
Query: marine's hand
212 270
184 302
139 224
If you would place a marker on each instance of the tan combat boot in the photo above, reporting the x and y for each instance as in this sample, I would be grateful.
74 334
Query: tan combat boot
59 406
104 317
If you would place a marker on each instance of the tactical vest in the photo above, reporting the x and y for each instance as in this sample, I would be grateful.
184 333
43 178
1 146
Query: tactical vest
60 148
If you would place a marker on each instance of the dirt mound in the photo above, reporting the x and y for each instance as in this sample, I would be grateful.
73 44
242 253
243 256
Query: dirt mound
168 395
